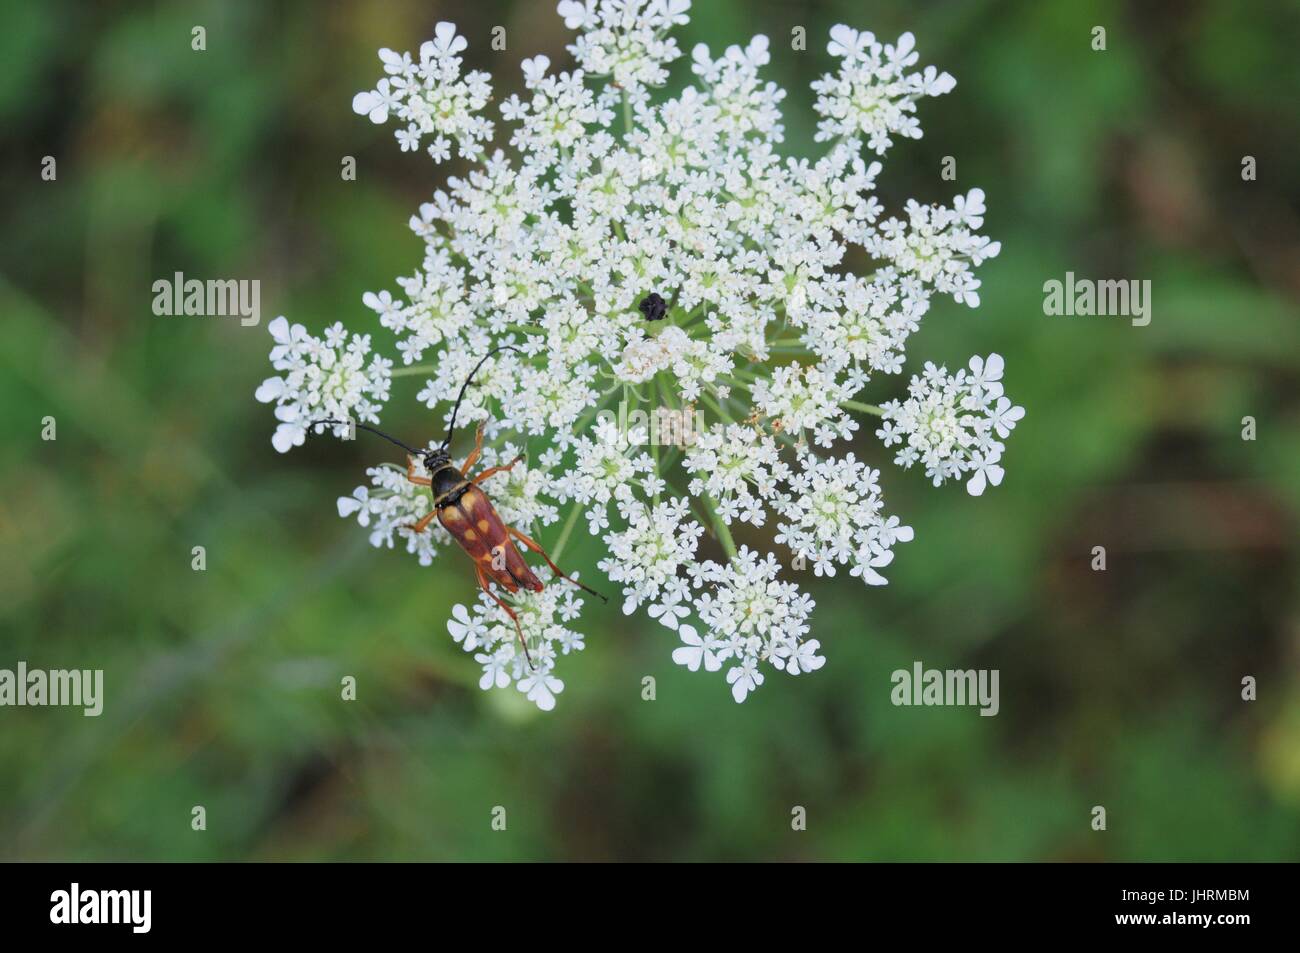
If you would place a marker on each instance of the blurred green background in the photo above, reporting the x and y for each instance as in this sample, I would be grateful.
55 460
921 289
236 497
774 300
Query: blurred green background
1119 688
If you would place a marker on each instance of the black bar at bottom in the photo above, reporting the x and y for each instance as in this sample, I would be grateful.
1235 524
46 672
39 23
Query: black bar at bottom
333 902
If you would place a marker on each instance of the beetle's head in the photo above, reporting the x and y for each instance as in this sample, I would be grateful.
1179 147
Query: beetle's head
435 459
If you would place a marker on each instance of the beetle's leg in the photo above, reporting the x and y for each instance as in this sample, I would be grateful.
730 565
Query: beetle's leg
410 473
422 525
483 582
478 449
493 471
554 568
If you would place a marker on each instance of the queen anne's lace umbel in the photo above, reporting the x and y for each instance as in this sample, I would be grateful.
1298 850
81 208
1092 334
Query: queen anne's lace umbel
762 330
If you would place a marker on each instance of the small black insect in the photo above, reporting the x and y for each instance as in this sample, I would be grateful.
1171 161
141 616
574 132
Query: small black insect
653 307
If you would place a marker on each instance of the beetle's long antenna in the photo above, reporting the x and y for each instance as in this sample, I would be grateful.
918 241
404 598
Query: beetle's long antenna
345 423
451 427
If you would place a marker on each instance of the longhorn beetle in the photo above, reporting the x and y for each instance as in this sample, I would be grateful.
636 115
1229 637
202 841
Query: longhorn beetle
465 511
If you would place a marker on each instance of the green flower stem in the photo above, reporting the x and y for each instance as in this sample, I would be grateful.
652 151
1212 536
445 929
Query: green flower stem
667 393
737 384
708 399
587 421
413 370
565 532
864 408
694 322
720 528
655 443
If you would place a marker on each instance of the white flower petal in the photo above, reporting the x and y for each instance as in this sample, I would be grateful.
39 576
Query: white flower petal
279 328
270 389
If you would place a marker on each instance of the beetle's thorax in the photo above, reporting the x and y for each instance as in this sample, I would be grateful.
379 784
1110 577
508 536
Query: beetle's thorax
447 484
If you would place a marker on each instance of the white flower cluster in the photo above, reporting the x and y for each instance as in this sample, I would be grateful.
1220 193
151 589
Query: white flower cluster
834 518
326 379
625 40
751 617
431 97
954 425
872 95
658 543
490 635
739 469
658 251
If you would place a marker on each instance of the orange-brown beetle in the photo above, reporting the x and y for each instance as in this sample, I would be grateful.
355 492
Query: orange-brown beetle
465 511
